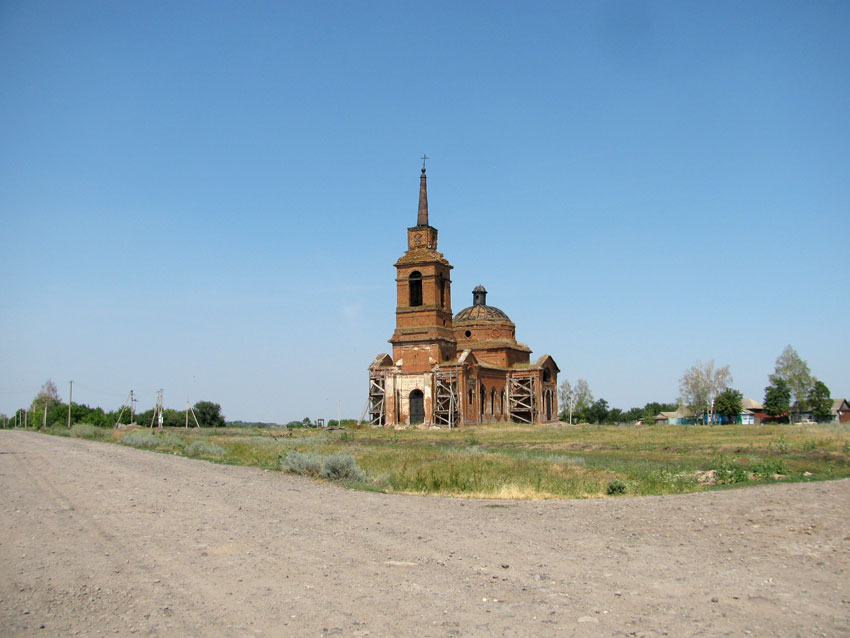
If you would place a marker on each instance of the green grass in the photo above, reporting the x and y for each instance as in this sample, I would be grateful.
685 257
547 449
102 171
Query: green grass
532 462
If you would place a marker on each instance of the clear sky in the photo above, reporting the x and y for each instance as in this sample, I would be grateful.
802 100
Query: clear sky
208 197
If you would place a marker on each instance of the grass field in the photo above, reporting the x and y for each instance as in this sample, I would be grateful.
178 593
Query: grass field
517 461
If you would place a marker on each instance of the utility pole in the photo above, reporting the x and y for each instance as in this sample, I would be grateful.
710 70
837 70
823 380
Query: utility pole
157 412
25 419
70 400
187 414
132 408
44 418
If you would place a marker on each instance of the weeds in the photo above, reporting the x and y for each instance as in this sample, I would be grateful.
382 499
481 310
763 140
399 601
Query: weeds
140 440
336 467
616 487
202 448
513 461
88 431
728 473
769 468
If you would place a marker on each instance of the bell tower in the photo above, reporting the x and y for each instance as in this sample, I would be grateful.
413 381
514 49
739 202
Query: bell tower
423 328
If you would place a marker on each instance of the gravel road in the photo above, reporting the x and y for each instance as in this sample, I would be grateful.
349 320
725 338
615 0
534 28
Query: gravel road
103 539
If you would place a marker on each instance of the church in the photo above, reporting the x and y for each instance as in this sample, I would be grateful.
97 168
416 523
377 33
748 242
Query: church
451 371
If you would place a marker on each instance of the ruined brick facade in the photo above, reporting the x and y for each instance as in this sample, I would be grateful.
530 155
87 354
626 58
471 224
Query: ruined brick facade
453 370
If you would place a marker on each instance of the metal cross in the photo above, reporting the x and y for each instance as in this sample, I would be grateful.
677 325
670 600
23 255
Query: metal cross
423 158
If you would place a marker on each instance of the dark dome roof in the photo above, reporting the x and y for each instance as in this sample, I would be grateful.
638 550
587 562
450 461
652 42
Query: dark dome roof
480 312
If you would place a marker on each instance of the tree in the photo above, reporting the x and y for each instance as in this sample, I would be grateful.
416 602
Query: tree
820 402
796 373
633 415
576 398
565 395
208 414
598 412
701 384
729 405
777 399
46 399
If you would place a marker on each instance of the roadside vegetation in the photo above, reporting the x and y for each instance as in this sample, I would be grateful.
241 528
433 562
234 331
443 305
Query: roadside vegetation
517 461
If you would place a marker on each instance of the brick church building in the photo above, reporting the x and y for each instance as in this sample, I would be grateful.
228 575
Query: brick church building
453 370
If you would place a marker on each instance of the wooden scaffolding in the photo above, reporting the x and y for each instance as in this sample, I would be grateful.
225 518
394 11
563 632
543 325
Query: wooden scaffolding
446 399
377 406
522 399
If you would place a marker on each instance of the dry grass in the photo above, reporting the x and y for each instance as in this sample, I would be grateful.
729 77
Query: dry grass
510 461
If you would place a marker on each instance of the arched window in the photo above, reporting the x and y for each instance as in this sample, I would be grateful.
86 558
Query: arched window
442 291
414 282
502 403
547 375
470 396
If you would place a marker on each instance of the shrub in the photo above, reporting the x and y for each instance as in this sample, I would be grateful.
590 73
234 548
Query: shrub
88 431
342 467
304 463
336 467
171 441
768 468
202 448
727 472
616 487
140 440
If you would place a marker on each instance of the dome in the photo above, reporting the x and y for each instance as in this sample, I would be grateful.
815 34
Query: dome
480 313
479 310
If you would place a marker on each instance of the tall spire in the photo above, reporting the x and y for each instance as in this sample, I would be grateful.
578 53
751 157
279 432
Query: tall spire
422 218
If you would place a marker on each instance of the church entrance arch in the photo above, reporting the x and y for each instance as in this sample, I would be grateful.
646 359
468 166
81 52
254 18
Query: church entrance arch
417 407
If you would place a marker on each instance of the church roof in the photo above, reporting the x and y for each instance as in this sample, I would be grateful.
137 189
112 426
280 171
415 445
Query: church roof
480 313
479 310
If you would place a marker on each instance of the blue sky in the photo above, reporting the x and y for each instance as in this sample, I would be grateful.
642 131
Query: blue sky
208 197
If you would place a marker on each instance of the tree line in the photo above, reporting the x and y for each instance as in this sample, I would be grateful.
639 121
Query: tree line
47 408
708 394
579 406
791 389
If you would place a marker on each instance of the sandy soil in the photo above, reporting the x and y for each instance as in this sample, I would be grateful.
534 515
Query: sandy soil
102 539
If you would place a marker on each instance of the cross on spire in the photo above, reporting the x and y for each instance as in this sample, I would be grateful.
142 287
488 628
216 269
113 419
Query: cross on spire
422 217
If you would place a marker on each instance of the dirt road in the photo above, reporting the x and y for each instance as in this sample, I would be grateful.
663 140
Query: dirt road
102 539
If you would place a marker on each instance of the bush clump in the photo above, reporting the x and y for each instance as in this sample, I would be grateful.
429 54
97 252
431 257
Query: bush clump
616 487
769 468
140 440
172 441
337 467
202 448
88 431
728 473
